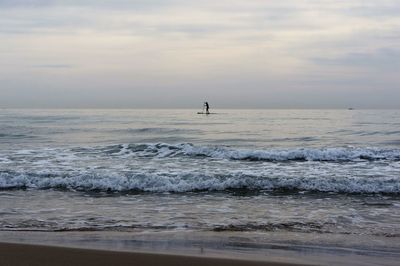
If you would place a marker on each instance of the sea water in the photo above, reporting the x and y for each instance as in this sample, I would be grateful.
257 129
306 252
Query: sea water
327 172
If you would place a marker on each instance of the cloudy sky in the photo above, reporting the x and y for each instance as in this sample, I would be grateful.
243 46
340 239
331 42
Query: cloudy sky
178 53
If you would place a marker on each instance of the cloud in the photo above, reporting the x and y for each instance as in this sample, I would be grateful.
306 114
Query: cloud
53 66
387 59
268 48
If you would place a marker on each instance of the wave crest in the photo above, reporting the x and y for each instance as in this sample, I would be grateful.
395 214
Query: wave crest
191 181
295 154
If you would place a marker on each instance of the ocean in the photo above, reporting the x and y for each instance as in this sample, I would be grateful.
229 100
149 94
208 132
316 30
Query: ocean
318 173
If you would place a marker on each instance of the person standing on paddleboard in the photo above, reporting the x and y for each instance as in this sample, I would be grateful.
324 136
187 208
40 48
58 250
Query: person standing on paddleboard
207 107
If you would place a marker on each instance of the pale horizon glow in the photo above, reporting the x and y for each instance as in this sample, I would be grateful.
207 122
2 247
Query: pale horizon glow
176 54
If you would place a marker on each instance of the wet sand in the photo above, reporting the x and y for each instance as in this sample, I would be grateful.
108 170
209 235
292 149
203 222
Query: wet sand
194 248
25 254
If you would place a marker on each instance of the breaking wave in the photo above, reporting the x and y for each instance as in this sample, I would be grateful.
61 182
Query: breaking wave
219 152
186 167
302 154
192 181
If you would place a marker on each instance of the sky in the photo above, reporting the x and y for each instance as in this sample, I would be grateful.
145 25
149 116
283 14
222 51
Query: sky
179 53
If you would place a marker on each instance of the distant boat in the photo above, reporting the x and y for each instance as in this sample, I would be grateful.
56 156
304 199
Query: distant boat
350 108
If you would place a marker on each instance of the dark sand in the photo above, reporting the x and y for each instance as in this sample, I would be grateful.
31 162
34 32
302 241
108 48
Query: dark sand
32 255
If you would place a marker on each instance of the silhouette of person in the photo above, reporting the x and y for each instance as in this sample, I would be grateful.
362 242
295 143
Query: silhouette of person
207 107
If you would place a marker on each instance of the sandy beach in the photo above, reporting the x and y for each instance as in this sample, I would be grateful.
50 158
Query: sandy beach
24 254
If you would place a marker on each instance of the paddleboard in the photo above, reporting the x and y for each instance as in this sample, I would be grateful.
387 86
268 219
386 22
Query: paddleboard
204 113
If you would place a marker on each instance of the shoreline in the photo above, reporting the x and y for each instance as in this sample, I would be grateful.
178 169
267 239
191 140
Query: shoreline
13 254
193 248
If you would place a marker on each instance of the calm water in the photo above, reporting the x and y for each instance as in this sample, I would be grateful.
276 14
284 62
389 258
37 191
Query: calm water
310 171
